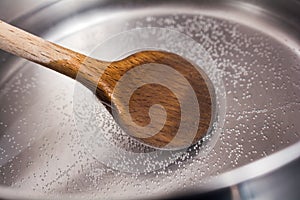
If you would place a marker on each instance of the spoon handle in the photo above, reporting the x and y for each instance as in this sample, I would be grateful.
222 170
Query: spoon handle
38 50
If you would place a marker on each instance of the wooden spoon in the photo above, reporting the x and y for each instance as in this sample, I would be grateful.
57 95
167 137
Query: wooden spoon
141 108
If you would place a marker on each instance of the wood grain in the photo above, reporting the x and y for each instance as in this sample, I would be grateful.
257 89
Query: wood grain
104 76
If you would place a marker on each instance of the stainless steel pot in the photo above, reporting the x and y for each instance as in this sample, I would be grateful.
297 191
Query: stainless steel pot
49 149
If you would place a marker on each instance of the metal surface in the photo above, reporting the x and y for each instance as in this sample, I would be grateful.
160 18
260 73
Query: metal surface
255 47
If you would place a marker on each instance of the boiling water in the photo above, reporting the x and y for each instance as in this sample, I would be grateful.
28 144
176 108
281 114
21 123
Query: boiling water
44 115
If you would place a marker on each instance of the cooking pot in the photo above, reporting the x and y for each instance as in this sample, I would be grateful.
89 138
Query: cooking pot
57 141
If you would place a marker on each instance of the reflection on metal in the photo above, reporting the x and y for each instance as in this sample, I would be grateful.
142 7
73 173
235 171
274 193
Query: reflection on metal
235 193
